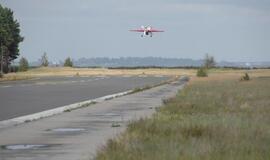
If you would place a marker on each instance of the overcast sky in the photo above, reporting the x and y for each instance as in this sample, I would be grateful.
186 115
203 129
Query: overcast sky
232 30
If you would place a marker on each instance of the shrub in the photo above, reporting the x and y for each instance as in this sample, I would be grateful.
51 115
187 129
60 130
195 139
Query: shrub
245 77
68 62
209 61
23 64
202 72
44 60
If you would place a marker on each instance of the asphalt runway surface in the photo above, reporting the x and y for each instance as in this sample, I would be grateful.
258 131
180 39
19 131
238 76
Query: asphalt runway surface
25 97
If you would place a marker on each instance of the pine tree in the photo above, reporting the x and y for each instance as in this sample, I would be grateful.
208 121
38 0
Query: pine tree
68 62
44 60
9 38
23 64
209 61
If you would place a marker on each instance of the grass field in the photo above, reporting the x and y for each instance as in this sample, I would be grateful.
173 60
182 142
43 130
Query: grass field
66 71
214 118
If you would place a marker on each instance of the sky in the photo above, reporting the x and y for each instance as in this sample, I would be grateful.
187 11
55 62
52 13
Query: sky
230 30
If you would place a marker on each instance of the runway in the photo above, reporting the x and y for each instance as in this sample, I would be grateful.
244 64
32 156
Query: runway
21 98
79 134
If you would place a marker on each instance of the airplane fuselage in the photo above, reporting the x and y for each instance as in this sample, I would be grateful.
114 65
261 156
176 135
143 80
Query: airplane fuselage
147 33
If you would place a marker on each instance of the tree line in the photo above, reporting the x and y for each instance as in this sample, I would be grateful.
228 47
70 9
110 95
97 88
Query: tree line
44 62
9 43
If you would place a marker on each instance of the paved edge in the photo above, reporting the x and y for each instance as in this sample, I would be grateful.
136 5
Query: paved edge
59 110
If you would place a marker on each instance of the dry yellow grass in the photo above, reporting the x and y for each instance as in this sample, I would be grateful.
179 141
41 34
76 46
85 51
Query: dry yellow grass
104 71
14 78
66 71
219 74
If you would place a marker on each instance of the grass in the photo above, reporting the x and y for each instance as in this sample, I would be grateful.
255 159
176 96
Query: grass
214 118
138 89
81 106
14 77
68 71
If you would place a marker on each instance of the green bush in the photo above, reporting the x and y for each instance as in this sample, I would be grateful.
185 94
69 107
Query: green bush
23 65
202 72
68 62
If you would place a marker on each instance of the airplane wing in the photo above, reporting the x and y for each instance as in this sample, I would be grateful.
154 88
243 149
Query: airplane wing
137 30
154 30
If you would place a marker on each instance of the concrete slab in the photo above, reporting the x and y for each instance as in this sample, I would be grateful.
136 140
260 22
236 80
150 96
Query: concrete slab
33 96
95 125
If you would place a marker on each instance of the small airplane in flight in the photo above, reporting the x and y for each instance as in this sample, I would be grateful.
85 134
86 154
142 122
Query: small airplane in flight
147 31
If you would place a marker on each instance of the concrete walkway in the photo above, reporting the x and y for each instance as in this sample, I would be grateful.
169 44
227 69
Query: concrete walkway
78 134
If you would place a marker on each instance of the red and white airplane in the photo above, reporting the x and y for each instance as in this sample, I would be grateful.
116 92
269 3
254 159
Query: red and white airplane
147 31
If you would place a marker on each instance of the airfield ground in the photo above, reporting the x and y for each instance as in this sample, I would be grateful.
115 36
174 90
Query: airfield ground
45 93
77 134
67 71
218 117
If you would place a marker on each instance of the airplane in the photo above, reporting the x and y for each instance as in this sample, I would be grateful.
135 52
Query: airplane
147 31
